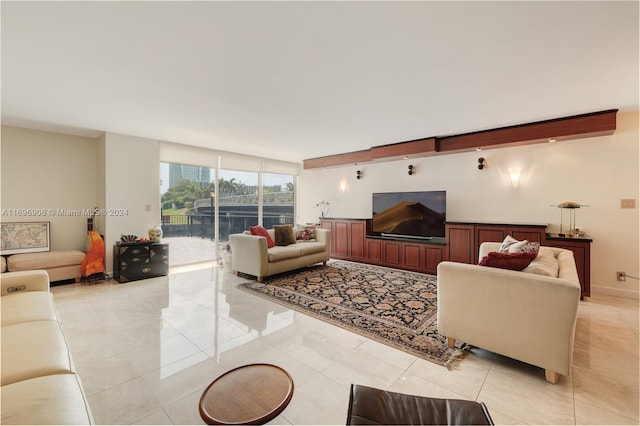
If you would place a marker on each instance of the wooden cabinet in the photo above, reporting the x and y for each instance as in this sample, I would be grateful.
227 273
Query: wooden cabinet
581 248
137 261
464 239
349 241
347 238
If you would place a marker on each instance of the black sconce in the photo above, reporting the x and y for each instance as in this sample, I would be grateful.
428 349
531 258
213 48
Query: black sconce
481 164
359 174
411 169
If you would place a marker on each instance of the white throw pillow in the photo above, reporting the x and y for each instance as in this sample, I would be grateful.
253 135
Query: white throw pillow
545 264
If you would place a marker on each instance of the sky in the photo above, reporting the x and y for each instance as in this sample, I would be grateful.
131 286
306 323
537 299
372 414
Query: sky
248 178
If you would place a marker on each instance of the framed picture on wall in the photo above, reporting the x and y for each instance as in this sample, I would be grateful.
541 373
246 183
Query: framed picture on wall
24 237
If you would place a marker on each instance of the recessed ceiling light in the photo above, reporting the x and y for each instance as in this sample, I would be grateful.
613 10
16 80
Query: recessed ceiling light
478 149
552 140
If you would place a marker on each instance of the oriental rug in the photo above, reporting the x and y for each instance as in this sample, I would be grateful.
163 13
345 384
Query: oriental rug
394 307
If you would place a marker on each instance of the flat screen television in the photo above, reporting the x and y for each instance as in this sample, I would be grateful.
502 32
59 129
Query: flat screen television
420 214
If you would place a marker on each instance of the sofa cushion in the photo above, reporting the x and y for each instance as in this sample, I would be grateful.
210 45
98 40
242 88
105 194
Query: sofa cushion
26 307
512 261
54 400
44 260
33 349
278 253
284 234
544 264
311 247
261 232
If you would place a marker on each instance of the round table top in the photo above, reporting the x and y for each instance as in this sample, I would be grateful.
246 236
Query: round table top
251 394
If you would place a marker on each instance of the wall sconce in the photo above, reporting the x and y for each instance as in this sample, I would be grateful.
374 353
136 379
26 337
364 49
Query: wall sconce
514 174
411 169
343 185
359 174
481 164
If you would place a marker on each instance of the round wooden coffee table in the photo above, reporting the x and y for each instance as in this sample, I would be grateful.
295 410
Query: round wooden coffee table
252 394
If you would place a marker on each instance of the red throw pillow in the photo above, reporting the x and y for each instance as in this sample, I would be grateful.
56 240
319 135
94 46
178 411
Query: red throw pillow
260 231
512 261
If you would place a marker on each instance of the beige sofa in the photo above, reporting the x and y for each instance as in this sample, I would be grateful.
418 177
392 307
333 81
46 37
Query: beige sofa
59 264
249 254
38 378
523 315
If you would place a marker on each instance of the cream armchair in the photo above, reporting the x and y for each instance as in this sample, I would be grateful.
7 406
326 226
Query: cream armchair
525 316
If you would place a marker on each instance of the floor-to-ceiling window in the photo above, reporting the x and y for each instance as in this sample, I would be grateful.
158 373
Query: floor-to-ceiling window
238 202
277 199
201 206
187 212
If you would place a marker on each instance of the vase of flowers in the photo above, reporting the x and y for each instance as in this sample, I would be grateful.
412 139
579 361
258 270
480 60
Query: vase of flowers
324 208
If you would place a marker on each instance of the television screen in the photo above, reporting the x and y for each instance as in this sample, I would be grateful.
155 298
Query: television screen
419 214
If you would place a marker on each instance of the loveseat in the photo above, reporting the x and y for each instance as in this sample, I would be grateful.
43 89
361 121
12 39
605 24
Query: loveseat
250 255
38 378
528 315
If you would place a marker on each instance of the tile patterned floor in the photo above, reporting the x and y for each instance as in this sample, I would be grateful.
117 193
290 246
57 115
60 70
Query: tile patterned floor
146 350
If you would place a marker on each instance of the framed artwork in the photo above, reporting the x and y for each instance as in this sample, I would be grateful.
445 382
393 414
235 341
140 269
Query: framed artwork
24 237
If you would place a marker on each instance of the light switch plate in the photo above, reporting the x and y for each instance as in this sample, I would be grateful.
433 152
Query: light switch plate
628 203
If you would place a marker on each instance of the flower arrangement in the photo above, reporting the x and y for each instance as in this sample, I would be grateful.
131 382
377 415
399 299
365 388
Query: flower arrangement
324 207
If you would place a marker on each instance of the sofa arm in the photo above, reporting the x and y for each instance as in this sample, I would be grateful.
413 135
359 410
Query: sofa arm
17 282
521 315
323 236
249 254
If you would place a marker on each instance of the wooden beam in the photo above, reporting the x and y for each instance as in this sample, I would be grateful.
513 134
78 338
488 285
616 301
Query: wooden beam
599 123
401 149
338 159
579 126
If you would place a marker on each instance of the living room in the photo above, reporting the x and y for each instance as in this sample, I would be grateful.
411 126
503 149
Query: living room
89 164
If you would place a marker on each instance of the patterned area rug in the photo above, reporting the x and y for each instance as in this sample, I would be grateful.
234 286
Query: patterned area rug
394 307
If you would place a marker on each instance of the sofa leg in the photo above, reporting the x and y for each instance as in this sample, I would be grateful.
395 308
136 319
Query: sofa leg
260 279
451 342
324 263
551 376
77 279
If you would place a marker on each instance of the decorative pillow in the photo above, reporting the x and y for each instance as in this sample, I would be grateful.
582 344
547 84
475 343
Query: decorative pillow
512 261
306 233
284 235
260 231
511 245
508 242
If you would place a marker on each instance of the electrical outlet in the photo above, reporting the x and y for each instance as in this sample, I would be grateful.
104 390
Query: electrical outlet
628 203
621 276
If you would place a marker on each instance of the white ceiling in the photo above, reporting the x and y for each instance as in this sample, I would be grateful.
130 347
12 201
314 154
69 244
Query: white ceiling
296 80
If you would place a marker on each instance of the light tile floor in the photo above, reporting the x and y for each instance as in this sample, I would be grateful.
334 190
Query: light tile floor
146 350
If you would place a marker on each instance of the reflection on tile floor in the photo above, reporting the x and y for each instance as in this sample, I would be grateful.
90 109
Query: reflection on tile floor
146 350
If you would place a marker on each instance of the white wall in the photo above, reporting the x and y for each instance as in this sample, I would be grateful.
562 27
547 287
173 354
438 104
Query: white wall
596 171
132 183
51 171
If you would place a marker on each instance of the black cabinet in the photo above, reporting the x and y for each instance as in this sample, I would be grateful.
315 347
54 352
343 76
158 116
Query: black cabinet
137 261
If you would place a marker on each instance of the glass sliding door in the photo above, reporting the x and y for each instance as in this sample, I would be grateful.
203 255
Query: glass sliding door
238 206
202 206
187 212
277 199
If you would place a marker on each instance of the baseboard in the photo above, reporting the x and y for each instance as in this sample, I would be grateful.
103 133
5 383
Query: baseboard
618 292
